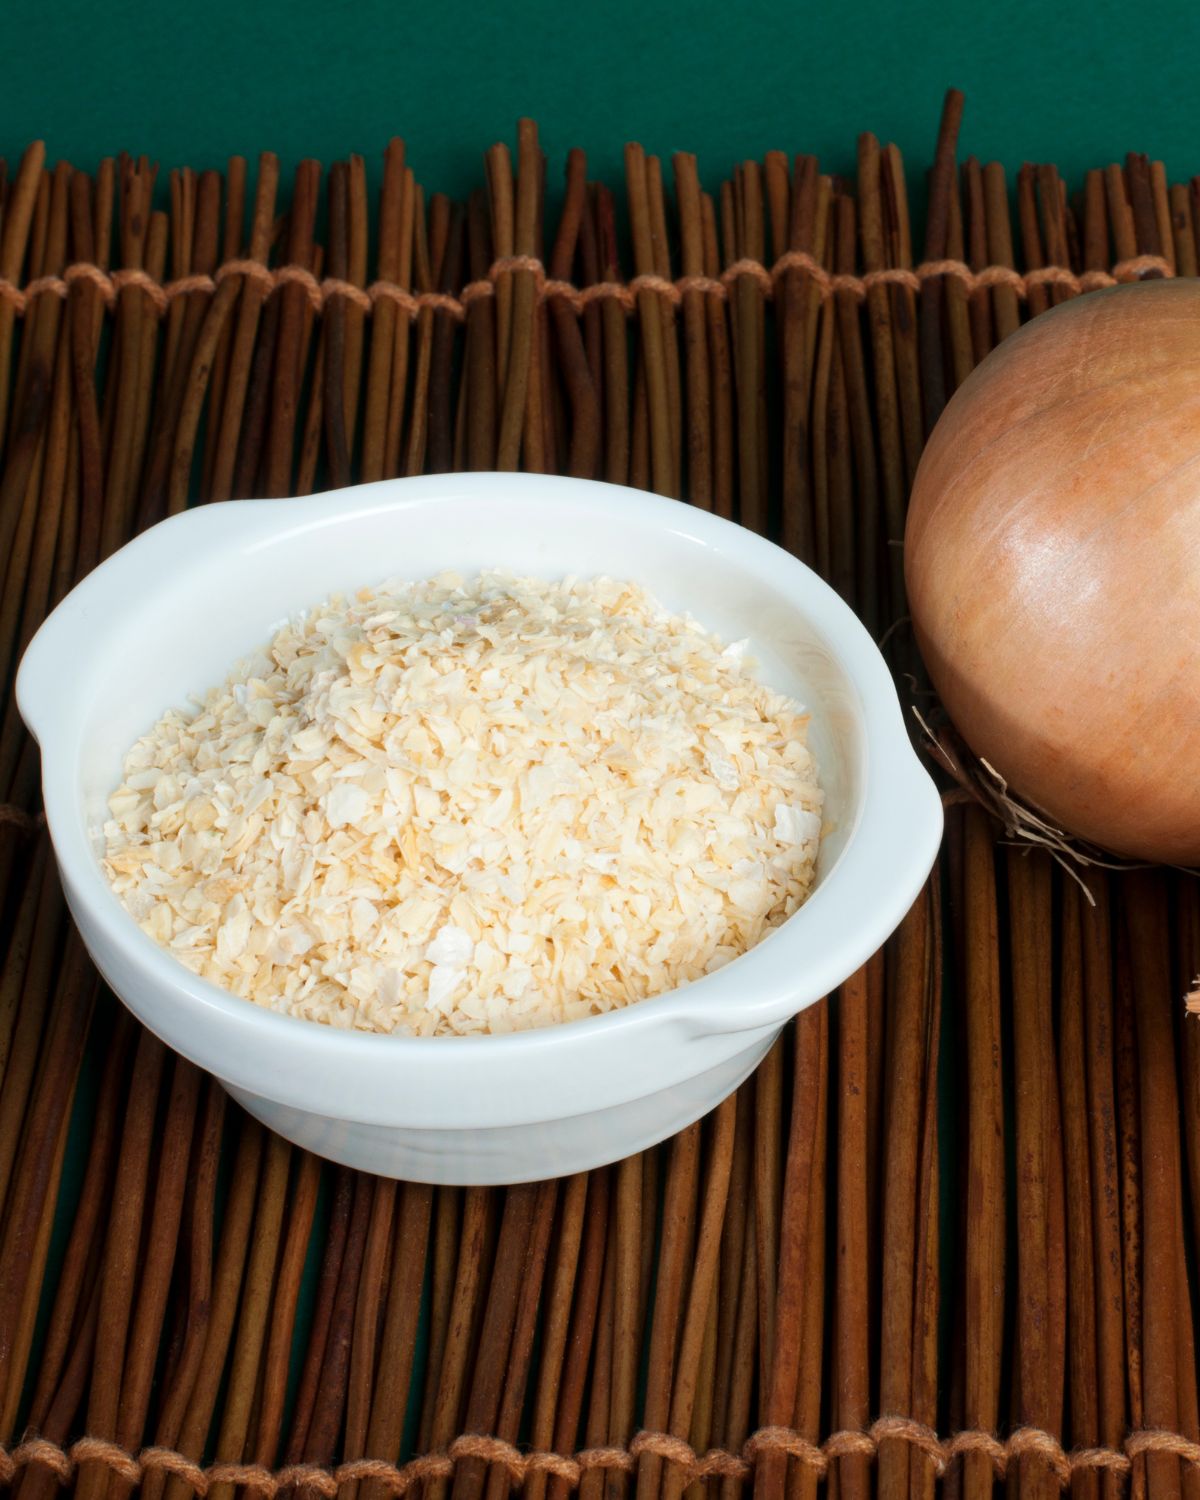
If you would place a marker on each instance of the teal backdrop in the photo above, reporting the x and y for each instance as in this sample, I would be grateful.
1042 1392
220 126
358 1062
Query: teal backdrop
1063 80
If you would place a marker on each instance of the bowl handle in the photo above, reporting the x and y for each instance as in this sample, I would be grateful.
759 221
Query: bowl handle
872 895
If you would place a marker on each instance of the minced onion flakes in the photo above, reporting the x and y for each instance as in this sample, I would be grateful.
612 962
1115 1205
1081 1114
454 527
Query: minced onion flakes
470 806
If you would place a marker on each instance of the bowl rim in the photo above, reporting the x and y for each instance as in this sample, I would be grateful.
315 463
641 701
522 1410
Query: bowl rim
899 813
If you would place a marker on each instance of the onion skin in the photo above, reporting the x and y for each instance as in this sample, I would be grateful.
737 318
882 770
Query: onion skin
1052 558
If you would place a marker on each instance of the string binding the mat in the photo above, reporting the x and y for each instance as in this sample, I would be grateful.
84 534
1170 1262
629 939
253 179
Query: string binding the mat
1025 1443
160 295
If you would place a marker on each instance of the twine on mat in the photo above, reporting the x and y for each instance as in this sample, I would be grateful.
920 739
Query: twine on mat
161 295
1024 1443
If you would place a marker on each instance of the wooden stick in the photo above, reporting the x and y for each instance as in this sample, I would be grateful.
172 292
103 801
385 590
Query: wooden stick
179 1383
1187 936
398 384
1095 224
980 306
288 1278
927 1270
797 320
902 1145
749 355
887 409
368 1320
934 312
154 1282
499 1320
593 1483
1144 903
701 1297
133 313
120 1256
255 1303
441 436
566 1265
443 1273
958 309
178 360
583 1327
869 538
314 420
22 1344
1005 307
820 429
678 1209
250 298
720 372
1031 240
285 388
1130 1169
1183 231
452 1374
904 308
1081 1280
31 561
501 200
699 401
334 330
385 316
1141 202
1054 227
39 1482
480 360
410 1242
14 236
768 1190
520 1354
85 311
182 183
31 401
185 1420
359 234
660 245
232 246
585 409
330 1398
1120 213
1029 904
650 325
345 1211
616 357
701 1435
79 1265
629 1209
24 1245
742 1367
841 479
733 1245
984 1250
852 1390
1104 1158
516 355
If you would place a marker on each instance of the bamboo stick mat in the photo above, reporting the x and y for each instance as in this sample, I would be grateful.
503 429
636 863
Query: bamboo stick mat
944 1236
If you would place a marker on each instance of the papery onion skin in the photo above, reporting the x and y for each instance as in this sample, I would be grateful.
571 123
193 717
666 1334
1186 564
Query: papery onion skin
1052 559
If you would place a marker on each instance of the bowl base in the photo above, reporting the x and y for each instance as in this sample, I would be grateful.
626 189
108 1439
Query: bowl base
513 1153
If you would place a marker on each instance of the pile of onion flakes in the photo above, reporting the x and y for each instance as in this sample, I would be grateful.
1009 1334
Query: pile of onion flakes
456 807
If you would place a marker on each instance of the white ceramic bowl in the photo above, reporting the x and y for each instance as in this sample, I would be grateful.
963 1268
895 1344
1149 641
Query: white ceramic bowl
169 614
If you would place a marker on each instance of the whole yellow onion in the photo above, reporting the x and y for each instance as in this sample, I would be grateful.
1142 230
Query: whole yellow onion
1052 558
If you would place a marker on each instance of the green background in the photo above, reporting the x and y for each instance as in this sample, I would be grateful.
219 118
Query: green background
1076 83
